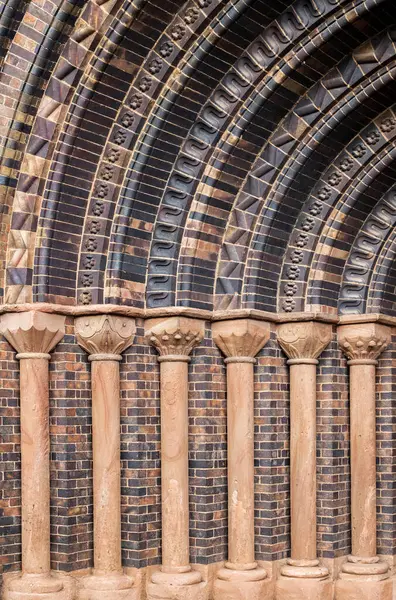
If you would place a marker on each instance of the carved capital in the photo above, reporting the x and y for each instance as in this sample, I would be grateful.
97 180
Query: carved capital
304 341
363 342
174 337
33 334
240 338
105 337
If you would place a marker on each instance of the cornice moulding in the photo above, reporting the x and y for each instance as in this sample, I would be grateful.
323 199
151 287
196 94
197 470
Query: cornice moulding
73 311
196 313
367 318
241 313
308 316
151 313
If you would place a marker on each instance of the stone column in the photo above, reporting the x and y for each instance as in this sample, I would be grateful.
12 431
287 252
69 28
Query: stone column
174 338
33 335
105 337
241 578
364 575
303 576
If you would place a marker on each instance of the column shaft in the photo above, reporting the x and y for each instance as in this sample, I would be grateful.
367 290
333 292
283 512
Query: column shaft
240 384
34 398
241 578
175 338
34 334
363 460
363 575
104 337
303 576
174 466
303 461
106 465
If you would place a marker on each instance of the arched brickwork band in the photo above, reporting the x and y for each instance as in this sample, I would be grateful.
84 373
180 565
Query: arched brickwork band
224 260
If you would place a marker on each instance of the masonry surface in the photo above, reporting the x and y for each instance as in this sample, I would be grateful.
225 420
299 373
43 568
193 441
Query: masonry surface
197 299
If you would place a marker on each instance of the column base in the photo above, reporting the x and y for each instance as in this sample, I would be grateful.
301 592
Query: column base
54 586
366 567
110 586
364 578
242 584
293 588
357 587
304 569
177 586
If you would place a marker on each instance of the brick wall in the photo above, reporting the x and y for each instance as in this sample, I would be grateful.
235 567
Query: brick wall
271 454
333 499
208 453
386 451
71 455
10 466
140 454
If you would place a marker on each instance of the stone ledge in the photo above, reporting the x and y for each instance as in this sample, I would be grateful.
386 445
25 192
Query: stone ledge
149 313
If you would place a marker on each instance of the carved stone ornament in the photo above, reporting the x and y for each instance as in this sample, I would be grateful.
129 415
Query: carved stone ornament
304 339
363 254
175 336
102 335
256 59
241 337
363 341
32 332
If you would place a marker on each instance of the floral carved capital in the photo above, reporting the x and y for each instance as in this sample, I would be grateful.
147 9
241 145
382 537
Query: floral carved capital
174 336
240 337
32 332
363 341
105 334
304 339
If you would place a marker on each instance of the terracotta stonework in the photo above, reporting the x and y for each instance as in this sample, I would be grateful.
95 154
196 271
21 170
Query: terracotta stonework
34 335
240 341
175 338
364 575
105 337
303 576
